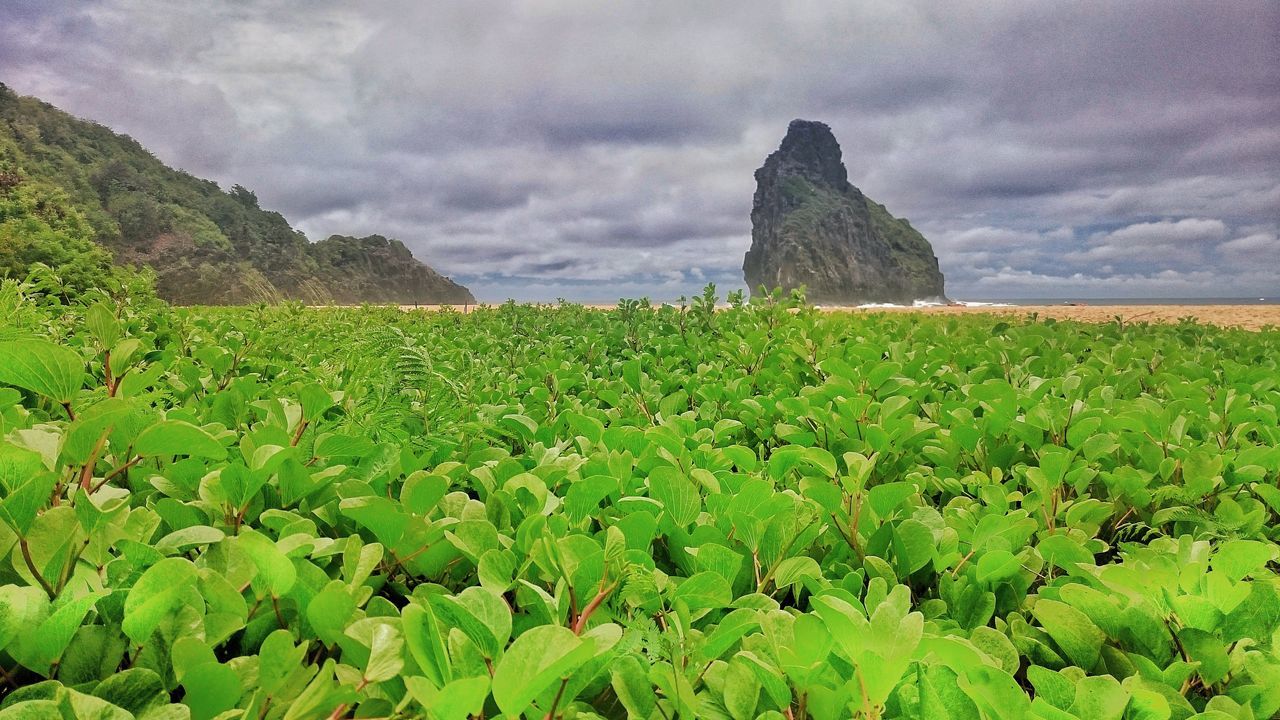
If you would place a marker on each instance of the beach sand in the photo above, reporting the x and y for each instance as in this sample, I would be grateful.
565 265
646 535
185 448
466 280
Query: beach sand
1248 317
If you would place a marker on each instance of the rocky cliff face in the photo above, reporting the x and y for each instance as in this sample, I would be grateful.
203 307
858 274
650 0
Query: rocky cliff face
811 227
377 269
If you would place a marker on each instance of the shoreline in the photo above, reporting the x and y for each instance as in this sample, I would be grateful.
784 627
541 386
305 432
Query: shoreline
1246 317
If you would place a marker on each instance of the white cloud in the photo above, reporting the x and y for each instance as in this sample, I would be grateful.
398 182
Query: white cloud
1188 231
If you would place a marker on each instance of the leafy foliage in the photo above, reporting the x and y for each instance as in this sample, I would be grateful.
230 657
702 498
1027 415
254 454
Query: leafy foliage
44 237
651 512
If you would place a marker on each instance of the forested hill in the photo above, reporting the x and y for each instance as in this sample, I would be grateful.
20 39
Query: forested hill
69 188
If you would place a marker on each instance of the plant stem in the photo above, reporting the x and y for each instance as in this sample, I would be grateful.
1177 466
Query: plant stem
86 472
551 714
275 605
297 435
960 564
341 710
69 568
116 473
581 625
31 565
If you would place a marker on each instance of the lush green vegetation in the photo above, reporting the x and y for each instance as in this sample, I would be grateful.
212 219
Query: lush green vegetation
75 196
766 512
44 238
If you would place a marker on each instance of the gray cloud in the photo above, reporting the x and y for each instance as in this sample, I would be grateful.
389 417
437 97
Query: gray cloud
588 150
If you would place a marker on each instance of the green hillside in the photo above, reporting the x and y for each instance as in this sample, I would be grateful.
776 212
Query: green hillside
70 188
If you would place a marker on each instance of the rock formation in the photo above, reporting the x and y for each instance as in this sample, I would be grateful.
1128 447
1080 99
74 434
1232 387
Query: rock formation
377 269
811 227
205 245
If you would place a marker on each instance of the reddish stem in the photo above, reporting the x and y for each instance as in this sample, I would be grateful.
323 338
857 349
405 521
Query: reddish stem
581 625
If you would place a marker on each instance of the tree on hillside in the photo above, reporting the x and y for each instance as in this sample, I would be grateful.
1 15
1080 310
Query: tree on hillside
40 226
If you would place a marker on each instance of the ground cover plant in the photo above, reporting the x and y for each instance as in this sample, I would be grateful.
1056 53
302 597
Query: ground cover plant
556 512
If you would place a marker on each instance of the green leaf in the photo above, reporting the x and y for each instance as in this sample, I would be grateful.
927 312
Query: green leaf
21 503
43 368
996 565
1240 558
20 608
315 400
1099 697
678 495
181 540
122 354
1209 651
704 590
1072 630
53 635
276 573
278 659
188 654
631 684
860 468
458 700
886 498
914 546
211 689
160 591
1147 705
997 646
175 437
1064 552
1053 687
539 658
93 653
426 643
331 610
795 570
997 694
741 690
17 465
941 697
102 324
32 710
385 659
480 614
90 425
136 691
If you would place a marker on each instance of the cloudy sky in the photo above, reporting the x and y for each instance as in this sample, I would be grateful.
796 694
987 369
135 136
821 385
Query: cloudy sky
591 150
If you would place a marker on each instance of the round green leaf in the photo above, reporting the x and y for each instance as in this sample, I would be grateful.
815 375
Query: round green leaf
43 368
174 437
211 689
537 659
159 591
1072 630
276 572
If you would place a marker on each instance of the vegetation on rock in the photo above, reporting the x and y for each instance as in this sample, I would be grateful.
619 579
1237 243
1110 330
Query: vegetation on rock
811 228
73 182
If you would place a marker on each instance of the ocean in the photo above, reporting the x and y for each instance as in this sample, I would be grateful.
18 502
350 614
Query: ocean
1124 301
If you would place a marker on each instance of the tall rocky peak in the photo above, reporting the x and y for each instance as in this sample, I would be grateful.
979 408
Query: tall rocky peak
810 151
811 227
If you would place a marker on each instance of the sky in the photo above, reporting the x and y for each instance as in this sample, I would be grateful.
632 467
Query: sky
589 150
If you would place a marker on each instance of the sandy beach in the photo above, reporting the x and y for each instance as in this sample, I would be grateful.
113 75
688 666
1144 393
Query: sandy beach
1248 317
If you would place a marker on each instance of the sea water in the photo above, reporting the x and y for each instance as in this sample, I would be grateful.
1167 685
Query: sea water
1017 302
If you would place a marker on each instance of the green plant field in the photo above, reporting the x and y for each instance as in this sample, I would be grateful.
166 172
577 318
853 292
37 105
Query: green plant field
545 512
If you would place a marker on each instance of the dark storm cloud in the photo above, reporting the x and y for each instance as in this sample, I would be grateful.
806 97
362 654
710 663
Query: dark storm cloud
592 150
